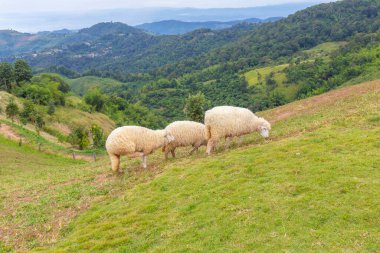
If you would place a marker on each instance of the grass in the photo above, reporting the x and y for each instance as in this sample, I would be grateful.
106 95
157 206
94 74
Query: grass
289 91
324 49
315 186
258 76
57 125
82 84
39 192
252 76
75 117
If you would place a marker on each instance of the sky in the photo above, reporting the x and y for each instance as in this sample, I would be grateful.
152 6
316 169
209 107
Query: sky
48 15
85 5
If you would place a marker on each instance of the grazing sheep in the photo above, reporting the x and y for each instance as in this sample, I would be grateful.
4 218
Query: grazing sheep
185 133
229 121
134 141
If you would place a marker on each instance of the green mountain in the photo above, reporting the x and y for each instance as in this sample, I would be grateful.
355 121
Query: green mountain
305 29
16 43
116 47
176 27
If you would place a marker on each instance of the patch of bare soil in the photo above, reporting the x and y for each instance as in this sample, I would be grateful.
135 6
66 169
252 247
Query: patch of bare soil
8 132
63 128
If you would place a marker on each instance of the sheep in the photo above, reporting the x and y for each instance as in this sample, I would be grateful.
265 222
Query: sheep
186 133
230 121
135 141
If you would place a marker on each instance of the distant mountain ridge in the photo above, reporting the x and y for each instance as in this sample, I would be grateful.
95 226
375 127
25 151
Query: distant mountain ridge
105 44
177 27
14 43
50 21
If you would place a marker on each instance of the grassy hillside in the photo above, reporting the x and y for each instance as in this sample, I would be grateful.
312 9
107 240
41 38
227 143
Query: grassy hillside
39 193
277 73
314 186
82 84
64 119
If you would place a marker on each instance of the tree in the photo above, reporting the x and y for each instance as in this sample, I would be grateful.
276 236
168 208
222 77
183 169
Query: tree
277 99
96 99
79 137
12 109
39 121
51 109
6 76
194 107
22 71
28 113
97 136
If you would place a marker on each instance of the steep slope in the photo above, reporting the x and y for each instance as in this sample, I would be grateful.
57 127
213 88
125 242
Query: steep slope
313 186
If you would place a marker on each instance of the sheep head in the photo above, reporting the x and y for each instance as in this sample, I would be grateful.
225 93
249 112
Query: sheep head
168 137
264 127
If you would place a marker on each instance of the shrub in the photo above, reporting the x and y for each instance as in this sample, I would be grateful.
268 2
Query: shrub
194 107
79 138
12 109
97 136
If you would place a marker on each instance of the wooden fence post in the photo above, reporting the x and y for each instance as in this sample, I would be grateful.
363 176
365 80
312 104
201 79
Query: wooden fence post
94 156
20 142
73 155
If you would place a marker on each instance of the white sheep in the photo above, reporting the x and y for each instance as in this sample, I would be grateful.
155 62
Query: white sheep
185 133
134 141
230 121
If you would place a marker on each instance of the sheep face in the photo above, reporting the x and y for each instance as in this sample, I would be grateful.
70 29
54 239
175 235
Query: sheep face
168 137
264 131
264 128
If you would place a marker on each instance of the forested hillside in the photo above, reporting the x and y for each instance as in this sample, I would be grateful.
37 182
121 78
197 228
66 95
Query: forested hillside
120 49
349 35
254 66
175 27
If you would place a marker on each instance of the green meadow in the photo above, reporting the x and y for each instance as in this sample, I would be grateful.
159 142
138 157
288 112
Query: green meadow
314 186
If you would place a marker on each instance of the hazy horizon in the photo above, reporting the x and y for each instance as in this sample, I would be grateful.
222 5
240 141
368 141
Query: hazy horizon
50 20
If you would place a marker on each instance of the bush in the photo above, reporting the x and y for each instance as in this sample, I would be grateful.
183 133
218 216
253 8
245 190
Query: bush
22 71
96 99
51 109
28 112
12 109
79 138
194 107
97 136
38 94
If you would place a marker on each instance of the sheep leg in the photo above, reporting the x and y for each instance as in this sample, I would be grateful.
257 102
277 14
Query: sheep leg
173 152
211 144
194 149
241 139
144 160
166 149
115 162
227 143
